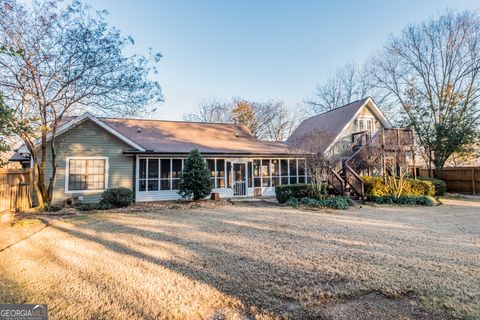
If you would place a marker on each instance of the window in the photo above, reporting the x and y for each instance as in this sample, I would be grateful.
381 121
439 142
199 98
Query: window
87 174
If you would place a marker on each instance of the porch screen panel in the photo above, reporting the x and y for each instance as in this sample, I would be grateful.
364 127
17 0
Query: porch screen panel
211 168
176 172
229 174
275 169
165 174
220 173
265 173
257 179
284 171
250 174
301 171
142 175
293 170
152 183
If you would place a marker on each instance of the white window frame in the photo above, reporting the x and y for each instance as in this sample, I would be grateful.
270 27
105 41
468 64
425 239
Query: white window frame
67 174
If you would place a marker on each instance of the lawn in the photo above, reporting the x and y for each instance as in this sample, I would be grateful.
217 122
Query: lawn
252 260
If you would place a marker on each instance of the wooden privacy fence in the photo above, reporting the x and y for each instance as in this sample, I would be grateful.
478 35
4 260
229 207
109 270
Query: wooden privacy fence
463 179
15 190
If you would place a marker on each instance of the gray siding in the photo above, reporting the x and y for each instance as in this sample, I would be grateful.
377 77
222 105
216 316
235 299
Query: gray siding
90 140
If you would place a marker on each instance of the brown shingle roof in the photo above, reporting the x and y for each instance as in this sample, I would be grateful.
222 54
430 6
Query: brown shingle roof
331 122
181 137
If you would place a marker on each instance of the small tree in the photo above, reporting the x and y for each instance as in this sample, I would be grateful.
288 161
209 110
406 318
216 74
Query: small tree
195 182
319 163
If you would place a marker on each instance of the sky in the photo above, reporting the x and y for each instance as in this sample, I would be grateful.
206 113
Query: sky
258 50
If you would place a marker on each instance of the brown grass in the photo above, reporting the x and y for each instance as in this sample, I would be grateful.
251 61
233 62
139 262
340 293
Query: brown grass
252 261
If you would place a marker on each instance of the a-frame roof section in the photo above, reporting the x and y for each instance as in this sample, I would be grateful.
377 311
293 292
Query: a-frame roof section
335 121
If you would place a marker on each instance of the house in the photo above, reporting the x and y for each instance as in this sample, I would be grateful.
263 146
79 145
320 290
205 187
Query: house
148 156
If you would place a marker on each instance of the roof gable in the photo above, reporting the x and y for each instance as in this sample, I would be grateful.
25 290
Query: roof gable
332 123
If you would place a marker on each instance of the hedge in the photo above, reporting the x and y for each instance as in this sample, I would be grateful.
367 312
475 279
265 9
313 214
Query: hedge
375 186
440 185
298 191
406 200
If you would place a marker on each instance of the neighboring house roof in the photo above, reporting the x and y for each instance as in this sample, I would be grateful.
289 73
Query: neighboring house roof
332 123
181 137
17 156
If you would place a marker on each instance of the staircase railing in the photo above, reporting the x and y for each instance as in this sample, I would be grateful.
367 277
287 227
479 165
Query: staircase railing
366 152
354 180
336 181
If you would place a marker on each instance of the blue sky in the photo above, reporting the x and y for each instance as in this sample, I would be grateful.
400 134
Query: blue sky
259 50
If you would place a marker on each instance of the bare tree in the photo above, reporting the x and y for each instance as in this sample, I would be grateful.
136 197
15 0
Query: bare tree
432 69
274 121
268 120
69 60
211 110
348 84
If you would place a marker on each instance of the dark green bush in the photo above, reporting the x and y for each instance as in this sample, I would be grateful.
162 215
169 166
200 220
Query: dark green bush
292 202
339 203
375 186
116 197
440 185
404 200
50 209
85 207
299 191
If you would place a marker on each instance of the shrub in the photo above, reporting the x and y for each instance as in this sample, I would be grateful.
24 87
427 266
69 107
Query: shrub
405 200
299 191
292 202
195 181
85 207
439 185
103 206
117 197
339 203
50 208
375 186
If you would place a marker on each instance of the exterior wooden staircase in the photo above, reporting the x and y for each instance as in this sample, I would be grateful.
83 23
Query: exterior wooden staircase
367 152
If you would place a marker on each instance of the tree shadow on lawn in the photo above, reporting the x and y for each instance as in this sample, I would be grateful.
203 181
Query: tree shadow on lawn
279 289
260 284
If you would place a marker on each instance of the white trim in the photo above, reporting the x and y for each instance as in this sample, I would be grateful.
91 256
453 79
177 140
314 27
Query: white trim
377 112
137 178
67 174
77 121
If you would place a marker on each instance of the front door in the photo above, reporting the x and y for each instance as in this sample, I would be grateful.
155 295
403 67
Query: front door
239 179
